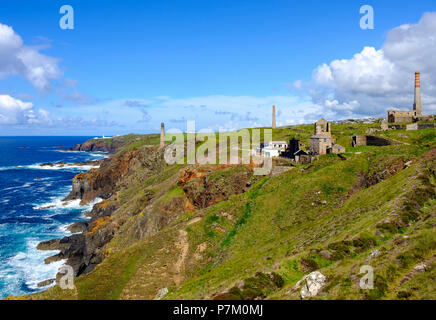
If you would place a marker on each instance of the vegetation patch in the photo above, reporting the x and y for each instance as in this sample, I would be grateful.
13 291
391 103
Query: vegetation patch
257 287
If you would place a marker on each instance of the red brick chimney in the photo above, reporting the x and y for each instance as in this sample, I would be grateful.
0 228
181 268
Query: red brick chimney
417 105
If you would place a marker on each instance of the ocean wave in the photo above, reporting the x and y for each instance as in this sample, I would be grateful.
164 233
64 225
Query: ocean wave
64 229
33 211
28 267
26 185
70 151
43 179
58 203
97 153
39 166
65 166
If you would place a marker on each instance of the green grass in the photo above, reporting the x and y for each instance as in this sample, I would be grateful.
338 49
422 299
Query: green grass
138 141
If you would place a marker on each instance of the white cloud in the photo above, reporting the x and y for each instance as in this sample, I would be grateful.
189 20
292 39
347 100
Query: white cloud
212 112
373 81
298 85
19 59
219 111
14 111
413 46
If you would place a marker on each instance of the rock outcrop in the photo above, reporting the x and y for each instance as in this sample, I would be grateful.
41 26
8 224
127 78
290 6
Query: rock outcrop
206 186
102 182
312 284
108 145
96 145
83 251
161 293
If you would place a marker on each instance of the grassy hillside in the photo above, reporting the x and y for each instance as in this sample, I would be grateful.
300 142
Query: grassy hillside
377 207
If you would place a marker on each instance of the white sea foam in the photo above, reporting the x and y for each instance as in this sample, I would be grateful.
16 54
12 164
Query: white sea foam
91 153
99 155
39 166
71 151
65 166
20 256
26 185
95 201
10 168
64 229
59 204
29 266
43 179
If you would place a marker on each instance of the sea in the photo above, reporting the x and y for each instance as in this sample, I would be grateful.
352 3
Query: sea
31 207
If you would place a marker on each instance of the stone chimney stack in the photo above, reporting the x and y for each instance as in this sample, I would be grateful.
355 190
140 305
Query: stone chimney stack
417 105
162 134
274 117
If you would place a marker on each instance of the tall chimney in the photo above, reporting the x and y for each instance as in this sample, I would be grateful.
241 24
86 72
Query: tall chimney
417 105
274 117
162 134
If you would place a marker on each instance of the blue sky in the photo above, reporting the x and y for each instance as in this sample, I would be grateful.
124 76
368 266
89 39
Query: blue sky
128 65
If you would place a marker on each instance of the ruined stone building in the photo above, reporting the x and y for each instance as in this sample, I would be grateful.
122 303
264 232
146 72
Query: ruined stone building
399 116
384 125
420 126
302 156
319 144
322 142
323 127
370 141
337 149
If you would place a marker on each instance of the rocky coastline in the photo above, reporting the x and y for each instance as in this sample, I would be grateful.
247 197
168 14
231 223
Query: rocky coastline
95 145
84 249
81 249
88 245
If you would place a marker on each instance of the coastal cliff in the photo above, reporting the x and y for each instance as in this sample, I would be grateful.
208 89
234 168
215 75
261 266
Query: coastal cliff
114 144
84 251
103 182
191 187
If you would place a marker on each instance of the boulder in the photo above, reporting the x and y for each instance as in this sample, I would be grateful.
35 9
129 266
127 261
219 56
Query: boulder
314 282
374 253
56 257
46 283
422 267
79 226
49 245
161 293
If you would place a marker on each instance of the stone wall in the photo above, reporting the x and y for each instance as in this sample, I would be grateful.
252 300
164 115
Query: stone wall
370 141
397 116
420 126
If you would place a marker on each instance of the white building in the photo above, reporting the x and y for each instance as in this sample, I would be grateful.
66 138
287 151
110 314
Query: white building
273 149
